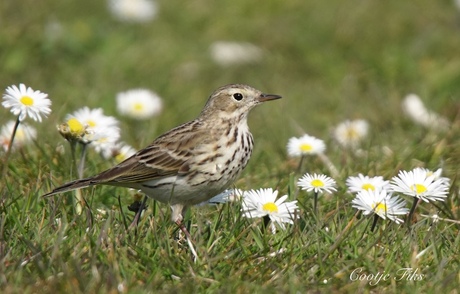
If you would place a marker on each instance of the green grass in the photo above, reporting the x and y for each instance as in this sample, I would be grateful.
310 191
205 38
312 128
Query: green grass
330 60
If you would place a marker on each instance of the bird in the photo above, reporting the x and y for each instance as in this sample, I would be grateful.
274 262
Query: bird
193 162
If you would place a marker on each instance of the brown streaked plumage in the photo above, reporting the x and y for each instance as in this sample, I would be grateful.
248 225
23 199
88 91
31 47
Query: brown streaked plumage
194 161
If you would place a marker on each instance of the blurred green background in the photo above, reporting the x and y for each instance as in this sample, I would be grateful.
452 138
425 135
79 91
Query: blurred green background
330 60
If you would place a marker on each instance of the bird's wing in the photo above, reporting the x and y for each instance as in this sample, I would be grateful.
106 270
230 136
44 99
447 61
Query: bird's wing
166 156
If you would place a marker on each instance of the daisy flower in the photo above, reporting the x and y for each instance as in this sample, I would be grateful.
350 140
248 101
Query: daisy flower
119 151
94 118
99 130
228 53
262 202
414 108
24 135
351 133
24 101
420 184
436 174
305 145
317 182
104 138
361 182
133 10
381 203
75 131
139 103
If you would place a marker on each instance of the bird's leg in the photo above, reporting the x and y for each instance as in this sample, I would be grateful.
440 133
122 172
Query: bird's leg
184 230
178 212
189 239
177 216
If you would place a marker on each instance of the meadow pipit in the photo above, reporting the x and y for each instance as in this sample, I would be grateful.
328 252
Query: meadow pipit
194 161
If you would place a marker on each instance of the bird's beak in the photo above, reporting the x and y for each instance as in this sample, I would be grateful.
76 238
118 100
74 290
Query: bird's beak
268 97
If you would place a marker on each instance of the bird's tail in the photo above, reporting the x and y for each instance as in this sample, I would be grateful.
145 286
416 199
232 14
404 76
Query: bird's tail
83 183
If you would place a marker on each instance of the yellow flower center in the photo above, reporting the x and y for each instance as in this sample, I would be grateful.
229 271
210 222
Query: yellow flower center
20 135
317 183
368 187
352 133
305 147
91 123
138 106
380 208
75 126
27 101
418 188
270 207
120 157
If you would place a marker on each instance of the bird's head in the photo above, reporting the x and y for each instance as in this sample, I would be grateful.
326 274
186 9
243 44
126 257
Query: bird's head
234 101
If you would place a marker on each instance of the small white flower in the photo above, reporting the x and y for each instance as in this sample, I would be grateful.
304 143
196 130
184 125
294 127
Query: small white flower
94 118
133 10
436 174
100 130
420 184
75 131
104 138
414 108
24 135
381 203
317 182
119 151
262 202
351 133
24 101
139 103
228 53
361 182
305 145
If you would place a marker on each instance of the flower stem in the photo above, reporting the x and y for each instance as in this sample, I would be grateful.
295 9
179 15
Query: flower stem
10 146
376 218
299 167
414 205
315 203
73 148
81 165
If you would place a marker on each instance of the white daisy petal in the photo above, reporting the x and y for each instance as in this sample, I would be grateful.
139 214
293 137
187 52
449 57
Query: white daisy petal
381 203
24 101
101 131
133 10
414 108
361 182
263 202
139 103
351 132
230 53
119 151
421 184
305 145
317 183
24 135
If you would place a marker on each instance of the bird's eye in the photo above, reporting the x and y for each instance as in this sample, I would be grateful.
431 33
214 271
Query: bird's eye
238 96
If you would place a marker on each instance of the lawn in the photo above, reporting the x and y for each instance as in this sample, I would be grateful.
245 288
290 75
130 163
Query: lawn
330 60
